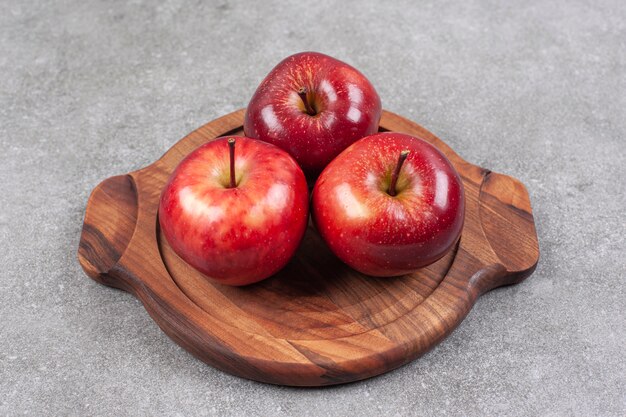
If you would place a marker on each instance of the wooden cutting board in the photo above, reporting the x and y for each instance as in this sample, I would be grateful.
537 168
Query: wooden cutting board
317 322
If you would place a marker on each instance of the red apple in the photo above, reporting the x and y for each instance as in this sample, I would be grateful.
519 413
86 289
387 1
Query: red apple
237 216
389 205
313 106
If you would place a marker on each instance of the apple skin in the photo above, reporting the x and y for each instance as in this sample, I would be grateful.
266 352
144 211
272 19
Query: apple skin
346 103
241 235
378 234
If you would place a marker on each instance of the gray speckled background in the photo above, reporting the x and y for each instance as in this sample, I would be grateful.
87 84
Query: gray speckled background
535 89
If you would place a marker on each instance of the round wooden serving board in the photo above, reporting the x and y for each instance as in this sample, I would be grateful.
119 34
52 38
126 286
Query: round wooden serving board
317 322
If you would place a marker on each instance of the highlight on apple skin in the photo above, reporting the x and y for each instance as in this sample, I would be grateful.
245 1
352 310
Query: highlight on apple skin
383 226
235 209
313 106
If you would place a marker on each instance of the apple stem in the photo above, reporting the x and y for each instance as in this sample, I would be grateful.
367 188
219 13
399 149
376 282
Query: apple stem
231 146
396 172
307 106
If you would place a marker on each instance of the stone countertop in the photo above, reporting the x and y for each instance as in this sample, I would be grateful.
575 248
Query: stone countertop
536 90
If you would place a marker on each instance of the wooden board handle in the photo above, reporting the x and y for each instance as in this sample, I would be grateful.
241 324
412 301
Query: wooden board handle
499 243
507 220
110 220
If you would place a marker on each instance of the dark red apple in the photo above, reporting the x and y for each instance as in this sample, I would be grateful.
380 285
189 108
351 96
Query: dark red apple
313 106
389 205
236 214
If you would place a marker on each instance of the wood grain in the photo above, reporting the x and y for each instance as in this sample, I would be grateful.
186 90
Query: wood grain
317 322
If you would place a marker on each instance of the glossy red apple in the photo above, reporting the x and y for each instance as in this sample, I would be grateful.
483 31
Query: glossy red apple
236 213
389 205
313 106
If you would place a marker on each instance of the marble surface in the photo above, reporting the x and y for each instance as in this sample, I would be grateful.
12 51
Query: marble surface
536 89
